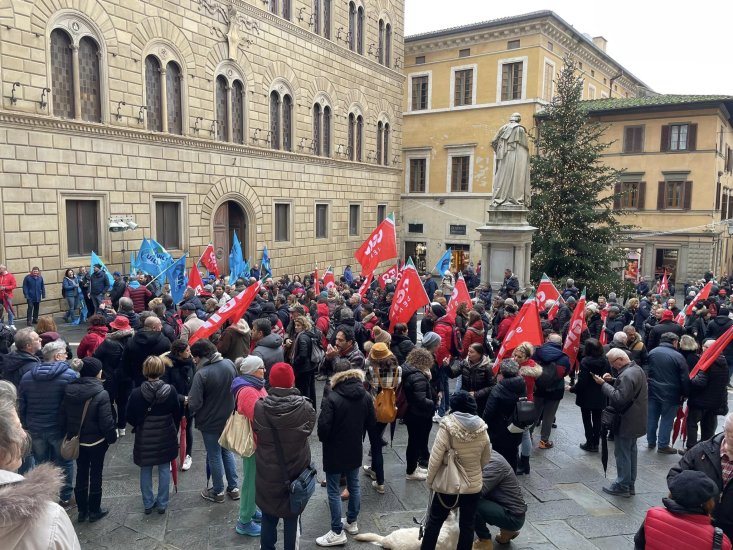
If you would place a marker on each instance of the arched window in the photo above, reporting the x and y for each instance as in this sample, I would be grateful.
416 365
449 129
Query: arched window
380 50
274 120
321 130
317 16
317 127
273 7
238 112
352 26
222 108
388 45
153 99
62 74
327 131
281 120
360 31
287 106
350 150
286 9
322 18
359 137
89 81
380 140
173 98
386 144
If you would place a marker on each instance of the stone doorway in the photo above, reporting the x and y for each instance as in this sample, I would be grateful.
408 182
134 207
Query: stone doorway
228 218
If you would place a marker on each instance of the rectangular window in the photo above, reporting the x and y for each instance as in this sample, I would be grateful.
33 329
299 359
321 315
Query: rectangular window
457 229
381 213
354 220
414 228
512 44
82 227
463 93
633 139
321 221
420 60
168 224
460 171
630 197
673 194
282 222
418 175
548 81
678 137
591 91
420 86
511 81
465 52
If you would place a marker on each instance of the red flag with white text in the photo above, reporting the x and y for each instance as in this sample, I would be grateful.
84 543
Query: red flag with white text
702 295
459 295
571 347
208 260
365 285
234 309
392 273
409 296
194 280
664 284
379 247
709 356
546 291
328 279
525 328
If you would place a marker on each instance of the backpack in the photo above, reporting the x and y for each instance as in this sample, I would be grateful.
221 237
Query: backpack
548 378
385 404
524 414
175 322
456 341
318 355
7 336
331 334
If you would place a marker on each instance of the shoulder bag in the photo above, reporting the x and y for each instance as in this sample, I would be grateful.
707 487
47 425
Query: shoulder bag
70 447
237 434
302 488
611 418
451 477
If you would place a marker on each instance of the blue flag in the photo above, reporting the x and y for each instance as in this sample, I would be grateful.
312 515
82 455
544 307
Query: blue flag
443 264
178 279
147 260
165 260
236 260
266 262
133 266
97 260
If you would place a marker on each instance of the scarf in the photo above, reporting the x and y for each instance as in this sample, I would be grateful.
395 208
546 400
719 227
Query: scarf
246 380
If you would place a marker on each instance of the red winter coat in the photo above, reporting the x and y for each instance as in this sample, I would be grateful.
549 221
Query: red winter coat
140 297
444 329
663 529
9 282
530 371
474 335
504 328
91 341
322 323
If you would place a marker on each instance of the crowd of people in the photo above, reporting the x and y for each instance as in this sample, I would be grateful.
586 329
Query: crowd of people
135 369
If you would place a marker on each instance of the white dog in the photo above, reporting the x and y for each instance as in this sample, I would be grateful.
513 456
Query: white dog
407 539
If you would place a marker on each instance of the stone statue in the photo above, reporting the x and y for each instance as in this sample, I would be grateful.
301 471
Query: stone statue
233 36
511 180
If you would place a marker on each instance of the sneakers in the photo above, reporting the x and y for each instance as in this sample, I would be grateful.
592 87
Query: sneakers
257 518
233 493
378 488
186 463
368 471
332 539
546 444
417 475
250 529
120 432
351 528
209 494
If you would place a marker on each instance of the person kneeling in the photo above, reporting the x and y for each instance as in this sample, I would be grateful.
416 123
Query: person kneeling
685 519
501 504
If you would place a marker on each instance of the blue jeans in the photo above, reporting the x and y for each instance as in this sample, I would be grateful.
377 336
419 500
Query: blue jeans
221 462
7 303
268 536
73 302
625 452
444 388
660 414
164 485
46 447
526 447
334 497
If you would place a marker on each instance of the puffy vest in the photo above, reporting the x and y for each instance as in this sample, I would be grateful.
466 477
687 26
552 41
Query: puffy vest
664 530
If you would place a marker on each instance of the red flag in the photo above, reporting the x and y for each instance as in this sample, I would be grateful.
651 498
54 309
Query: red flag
365 285
680 319
546 291
603 338
194 280
702 295
317 283
664 284
328 278
553 310
409 296
571 347
709 356
525 328
459 295
233 309
392 273
380 246
208 260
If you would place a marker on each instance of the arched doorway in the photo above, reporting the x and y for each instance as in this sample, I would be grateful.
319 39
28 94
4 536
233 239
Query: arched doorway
229 217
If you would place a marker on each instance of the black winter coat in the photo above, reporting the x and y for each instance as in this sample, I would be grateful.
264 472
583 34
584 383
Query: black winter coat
179 374
16 364
708 388
663 326
478 379
109 353
499 410
301 352
716 328
98 423
401 346
595 325
141 346
588 394
293 417
705 457
155 413
347 412
421 399
614 325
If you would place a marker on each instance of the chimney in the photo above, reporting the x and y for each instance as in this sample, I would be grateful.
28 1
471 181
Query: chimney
600 42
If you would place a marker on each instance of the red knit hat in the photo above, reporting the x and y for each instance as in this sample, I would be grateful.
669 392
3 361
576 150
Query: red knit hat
281 376
667 315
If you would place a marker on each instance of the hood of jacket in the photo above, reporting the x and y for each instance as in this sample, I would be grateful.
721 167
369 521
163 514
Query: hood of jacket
83 388
146 338
23 499
173 362
368 318
477 327
282 401
133 284
349 383
322 310
49 371
671 505
204 361
241 327
119 334
14 361
512 387
246 381
722 320
548 353
464 426
101 331
272 341
530 369
155 391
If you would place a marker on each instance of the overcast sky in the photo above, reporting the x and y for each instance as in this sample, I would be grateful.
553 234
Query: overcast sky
673 48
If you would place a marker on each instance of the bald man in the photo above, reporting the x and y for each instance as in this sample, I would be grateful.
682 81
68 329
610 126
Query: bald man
146 342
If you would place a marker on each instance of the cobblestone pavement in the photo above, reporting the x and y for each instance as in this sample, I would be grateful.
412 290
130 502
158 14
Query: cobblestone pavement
567 509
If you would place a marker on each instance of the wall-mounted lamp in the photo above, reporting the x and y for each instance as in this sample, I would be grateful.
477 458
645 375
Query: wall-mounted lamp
43 103
120 104
196 127
140 117
13 99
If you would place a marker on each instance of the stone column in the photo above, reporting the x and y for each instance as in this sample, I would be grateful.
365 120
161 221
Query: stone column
77 80
527 262
163 101
230 130
485 263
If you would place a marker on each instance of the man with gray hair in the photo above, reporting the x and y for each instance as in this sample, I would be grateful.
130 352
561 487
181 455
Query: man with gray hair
669 382
714 457
40 394
627 394
15 364
618 342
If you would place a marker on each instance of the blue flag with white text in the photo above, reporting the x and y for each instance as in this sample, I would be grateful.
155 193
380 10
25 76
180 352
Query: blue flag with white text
97 260
266 262
236 259
443 264
178 279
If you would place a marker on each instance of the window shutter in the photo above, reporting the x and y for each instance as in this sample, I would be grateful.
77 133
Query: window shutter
717 195
687 196
629 140
617 196
692 137
660 196
642 195
665 139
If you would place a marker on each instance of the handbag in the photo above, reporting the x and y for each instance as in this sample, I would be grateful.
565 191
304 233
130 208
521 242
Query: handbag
70 447
611 418
237 434
301 489
451 477
525 413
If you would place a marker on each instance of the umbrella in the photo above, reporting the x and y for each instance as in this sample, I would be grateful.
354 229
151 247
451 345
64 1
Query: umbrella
684 426
604 450
182 441
678 422
174 474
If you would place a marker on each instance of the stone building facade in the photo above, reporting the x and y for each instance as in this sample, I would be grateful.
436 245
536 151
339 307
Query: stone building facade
280 119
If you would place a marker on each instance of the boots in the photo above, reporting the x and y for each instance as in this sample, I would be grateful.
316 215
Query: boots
505 536
96 512
82 504
523 467
482 544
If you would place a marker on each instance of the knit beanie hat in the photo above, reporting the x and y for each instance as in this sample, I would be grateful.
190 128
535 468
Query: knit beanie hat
692 489
462 401
249 364
91 367
429 339
282 376
438 310
380 335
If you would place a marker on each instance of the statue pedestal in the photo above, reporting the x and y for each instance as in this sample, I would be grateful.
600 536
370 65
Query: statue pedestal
506 242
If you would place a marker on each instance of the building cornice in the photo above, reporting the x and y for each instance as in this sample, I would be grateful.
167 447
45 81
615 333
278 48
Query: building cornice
85 129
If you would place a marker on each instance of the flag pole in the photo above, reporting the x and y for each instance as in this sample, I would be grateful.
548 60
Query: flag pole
163 272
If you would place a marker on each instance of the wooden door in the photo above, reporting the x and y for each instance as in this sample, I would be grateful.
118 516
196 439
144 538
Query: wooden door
221 237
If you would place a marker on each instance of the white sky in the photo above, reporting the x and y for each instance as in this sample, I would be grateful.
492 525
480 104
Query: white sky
671 48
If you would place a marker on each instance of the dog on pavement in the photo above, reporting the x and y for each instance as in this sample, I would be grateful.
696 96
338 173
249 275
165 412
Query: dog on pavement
407 538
